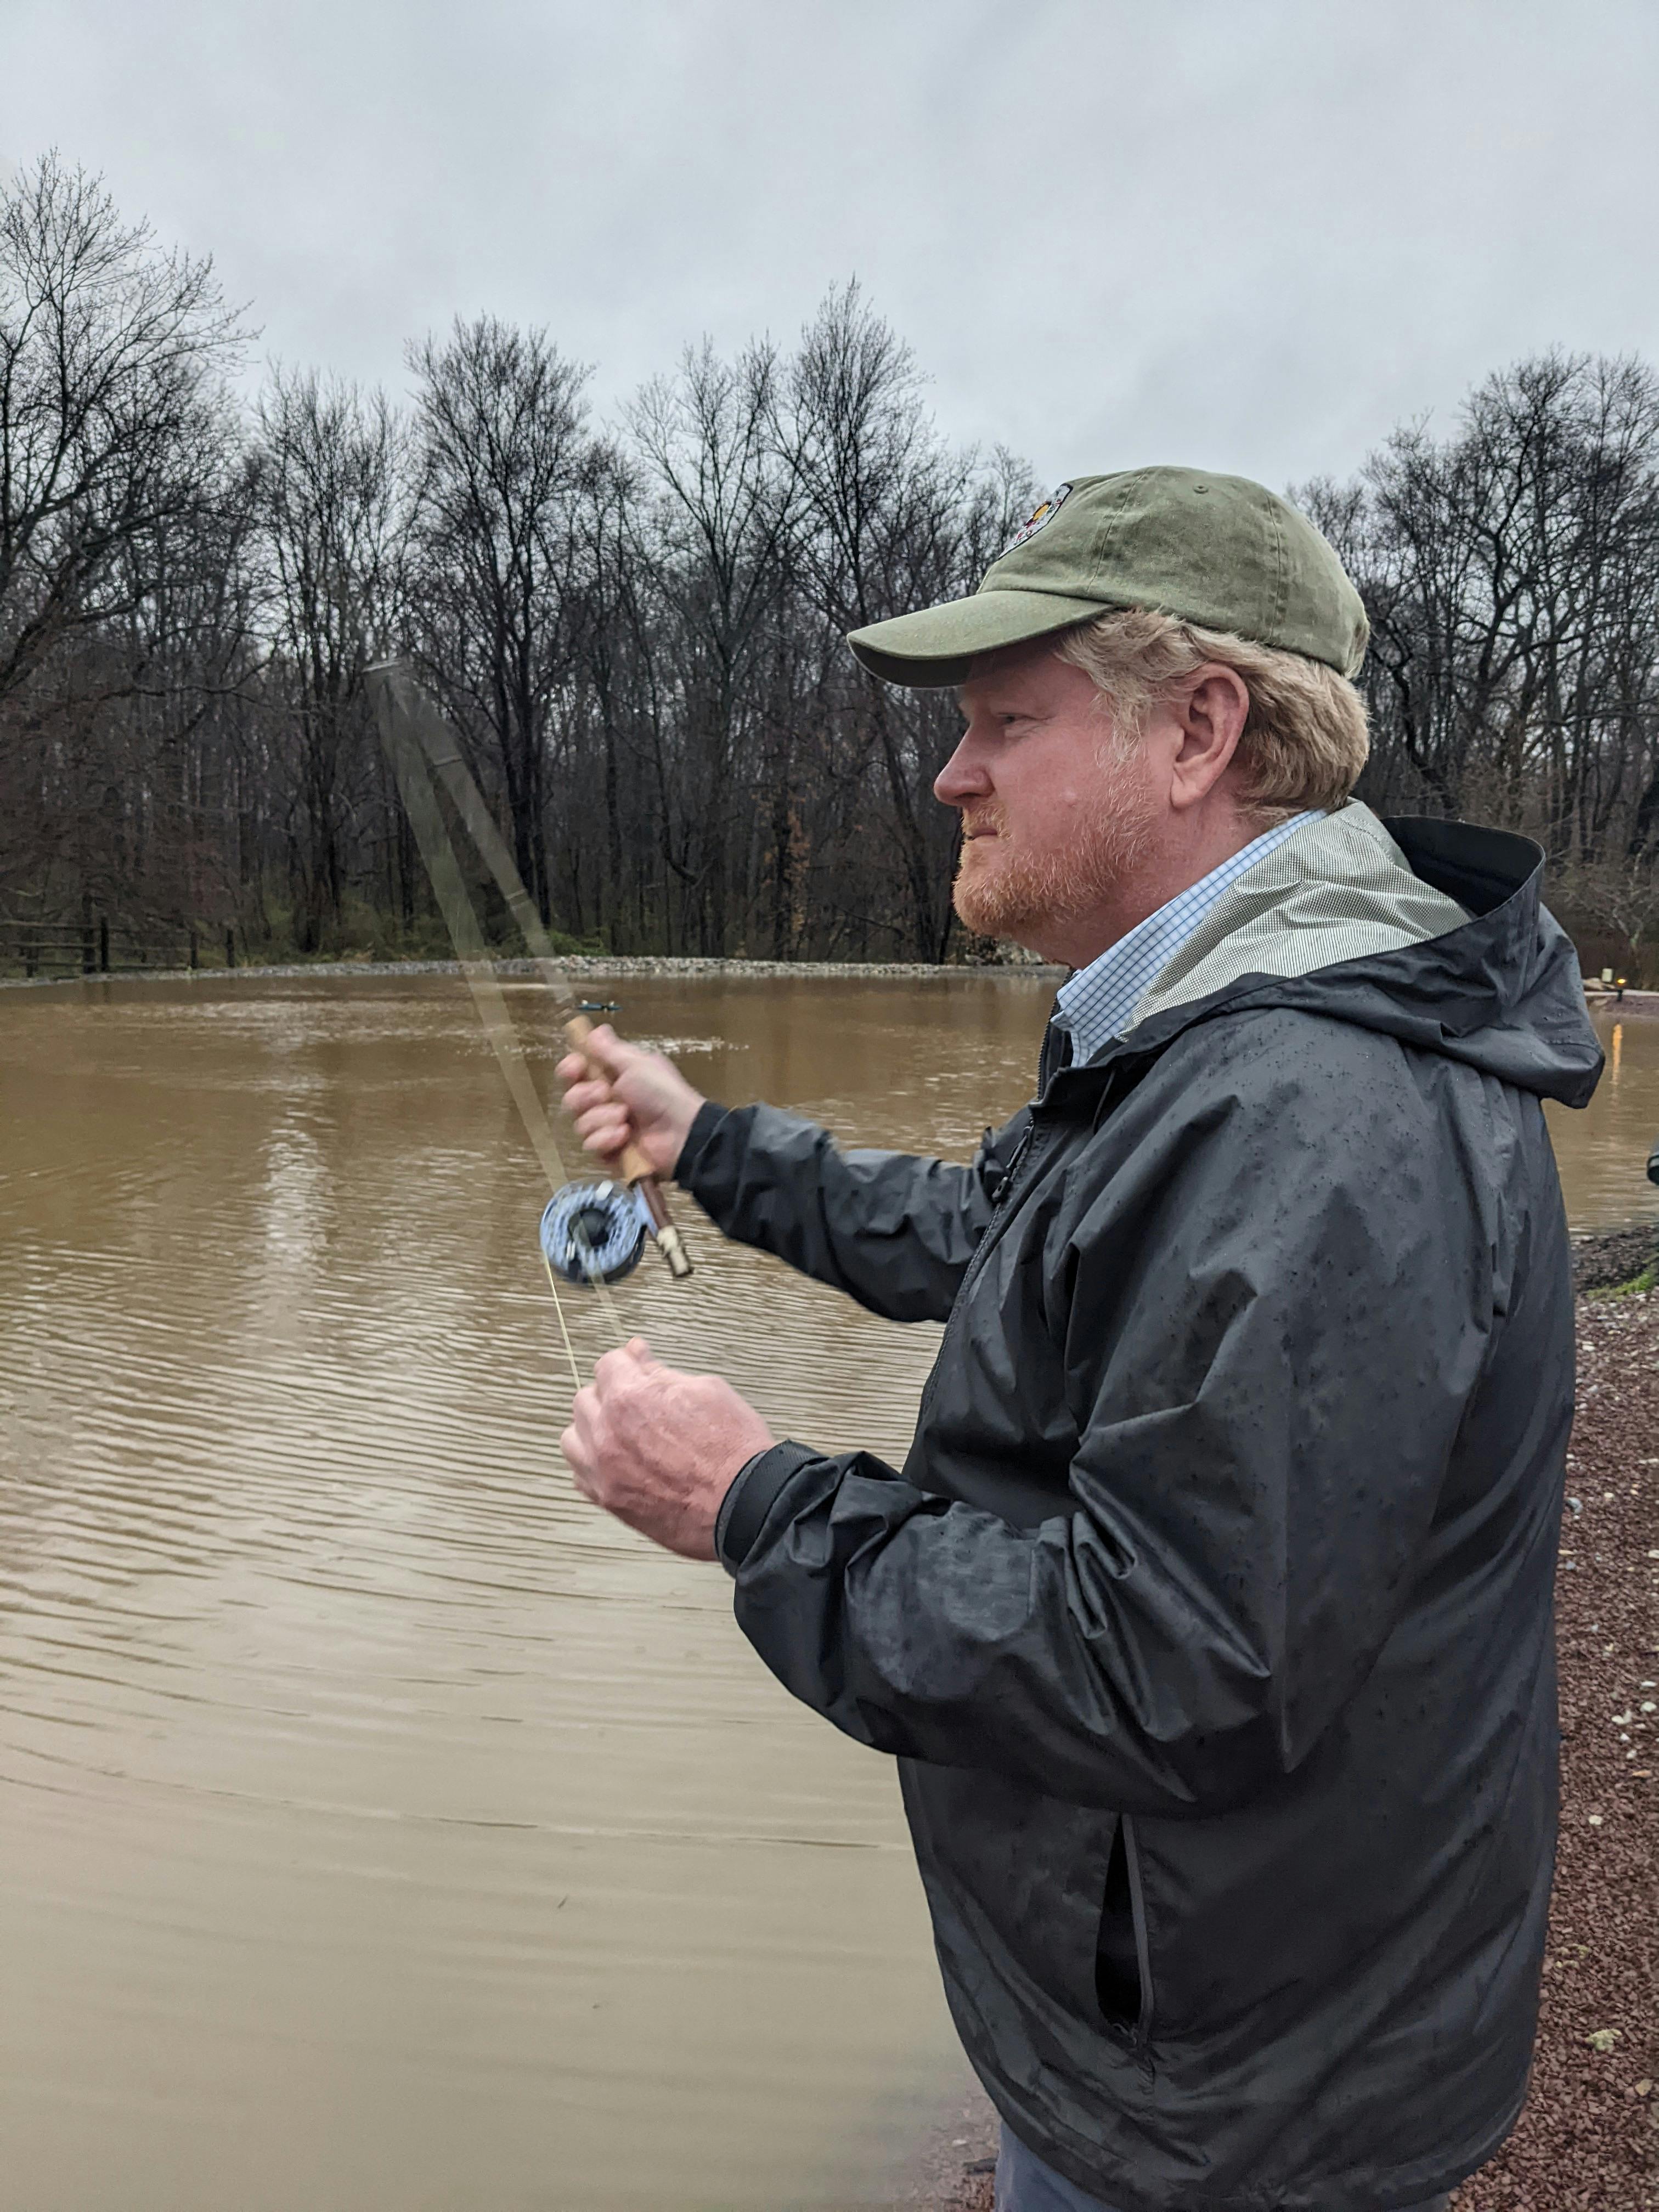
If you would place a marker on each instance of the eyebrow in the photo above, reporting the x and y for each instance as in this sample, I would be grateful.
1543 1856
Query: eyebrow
998 703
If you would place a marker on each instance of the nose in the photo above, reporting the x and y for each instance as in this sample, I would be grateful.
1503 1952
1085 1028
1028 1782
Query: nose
963 776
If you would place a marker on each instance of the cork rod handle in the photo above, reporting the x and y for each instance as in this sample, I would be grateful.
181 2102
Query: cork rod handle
631 1164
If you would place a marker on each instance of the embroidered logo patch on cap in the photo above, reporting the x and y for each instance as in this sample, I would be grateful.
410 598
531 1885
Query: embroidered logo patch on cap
1034 521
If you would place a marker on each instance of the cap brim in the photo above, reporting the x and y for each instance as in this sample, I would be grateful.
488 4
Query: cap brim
937 646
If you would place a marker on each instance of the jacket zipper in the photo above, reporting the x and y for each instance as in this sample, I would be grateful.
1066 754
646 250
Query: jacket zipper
1002 1208
1141 2040
1001 1205
1015 1161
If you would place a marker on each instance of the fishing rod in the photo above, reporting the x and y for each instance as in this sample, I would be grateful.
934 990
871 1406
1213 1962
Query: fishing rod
592 1233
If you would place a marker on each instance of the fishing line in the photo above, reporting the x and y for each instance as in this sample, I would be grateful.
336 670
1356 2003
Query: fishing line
558 1308
437 852
405 708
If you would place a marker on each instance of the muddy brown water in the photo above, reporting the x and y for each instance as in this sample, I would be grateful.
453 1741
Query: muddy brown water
380 1829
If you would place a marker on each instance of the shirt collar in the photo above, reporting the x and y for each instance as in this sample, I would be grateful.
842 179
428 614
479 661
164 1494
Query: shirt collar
1098 1002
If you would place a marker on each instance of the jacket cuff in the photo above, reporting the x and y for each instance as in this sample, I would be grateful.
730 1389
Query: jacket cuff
708 1119
755 1490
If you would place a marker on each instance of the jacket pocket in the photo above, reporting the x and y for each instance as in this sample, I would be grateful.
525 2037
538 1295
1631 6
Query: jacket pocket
1123 1982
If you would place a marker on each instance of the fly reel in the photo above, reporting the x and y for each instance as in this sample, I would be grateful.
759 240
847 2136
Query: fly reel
594 1232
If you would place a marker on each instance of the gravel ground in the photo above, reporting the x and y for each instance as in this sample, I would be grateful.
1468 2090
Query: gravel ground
1587 2140
1611 1256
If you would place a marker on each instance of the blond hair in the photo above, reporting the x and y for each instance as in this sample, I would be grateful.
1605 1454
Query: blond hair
1305 741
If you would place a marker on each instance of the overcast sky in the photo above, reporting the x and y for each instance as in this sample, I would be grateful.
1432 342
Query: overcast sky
1245 233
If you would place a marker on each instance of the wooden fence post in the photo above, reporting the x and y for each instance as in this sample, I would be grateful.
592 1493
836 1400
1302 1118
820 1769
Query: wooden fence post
103 945
230 947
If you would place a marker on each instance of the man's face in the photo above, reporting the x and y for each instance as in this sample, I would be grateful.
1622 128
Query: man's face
1054 815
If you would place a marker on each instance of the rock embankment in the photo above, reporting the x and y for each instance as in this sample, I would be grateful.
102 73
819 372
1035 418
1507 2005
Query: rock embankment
1586 2141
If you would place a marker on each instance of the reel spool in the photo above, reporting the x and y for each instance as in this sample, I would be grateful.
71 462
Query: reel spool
594 1232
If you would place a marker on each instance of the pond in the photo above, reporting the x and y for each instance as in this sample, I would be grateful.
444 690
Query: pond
1602 1152
382 1829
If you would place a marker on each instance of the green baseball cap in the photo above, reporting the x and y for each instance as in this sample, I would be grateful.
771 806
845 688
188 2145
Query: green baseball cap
1220 551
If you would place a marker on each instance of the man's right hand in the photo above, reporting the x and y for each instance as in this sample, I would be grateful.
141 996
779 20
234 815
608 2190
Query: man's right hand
619 1090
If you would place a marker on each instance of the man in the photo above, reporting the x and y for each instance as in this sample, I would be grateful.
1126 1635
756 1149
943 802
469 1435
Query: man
1210 1615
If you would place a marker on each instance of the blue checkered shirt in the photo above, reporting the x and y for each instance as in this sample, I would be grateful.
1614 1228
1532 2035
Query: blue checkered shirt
1098 1003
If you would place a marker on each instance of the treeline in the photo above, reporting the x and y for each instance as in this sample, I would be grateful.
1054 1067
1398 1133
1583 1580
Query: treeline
636 628
636 625
1511 576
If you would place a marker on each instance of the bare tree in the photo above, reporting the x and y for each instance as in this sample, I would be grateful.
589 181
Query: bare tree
329 471
893 520
1511 574
504 462
110 352
724 516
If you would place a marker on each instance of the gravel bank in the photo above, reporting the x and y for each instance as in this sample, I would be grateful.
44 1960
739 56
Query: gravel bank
1608 1257
1586 2141
578 968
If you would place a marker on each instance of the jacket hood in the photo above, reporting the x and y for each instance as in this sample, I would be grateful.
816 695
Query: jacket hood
1430 931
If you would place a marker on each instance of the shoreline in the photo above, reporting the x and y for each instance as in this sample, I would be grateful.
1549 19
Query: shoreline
578 966
1586 2132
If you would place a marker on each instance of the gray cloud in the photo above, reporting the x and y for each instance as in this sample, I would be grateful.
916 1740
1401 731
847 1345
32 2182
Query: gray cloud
1248 233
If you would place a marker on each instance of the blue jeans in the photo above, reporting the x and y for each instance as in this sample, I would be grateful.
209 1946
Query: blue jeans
1024 2184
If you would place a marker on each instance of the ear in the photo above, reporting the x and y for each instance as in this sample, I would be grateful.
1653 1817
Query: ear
1210 714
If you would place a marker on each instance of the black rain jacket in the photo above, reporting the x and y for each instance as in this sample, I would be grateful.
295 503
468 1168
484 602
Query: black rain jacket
1210 1617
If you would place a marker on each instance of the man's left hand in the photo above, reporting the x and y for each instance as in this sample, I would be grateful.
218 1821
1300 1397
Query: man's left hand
659 1448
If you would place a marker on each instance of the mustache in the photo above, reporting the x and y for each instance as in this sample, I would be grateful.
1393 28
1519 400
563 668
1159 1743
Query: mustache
991 817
